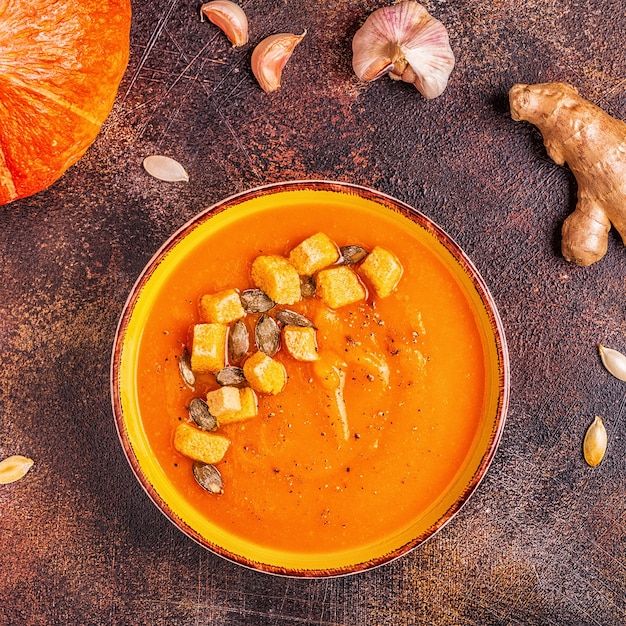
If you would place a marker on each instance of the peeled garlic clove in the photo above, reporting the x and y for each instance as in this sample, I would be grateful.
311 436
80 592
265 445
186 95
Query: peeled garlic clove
13 468
614 361
406 42
594 445
166 169
229 18
270 57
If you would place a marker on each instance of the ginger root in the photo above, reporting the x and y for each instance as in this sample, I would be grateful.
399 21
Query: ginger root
593 144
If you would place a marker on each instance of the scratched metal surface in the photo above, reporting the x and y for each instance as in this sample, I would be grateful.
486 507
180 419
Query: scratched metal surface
543 539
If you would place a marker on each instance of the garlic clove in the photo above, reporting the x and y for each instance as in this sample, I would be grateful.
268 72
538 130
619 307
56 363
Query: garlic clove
431 60
270 57
406 42
229 18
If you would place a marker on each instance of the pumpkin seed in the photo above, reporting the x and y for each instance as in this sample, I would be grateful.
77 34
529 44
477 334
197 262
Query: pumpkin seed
200 414
208 477
230 376
238 341
291 318
256 301
13 468
184 365
164 168
594 445
351 255
307 286
614 361
267 335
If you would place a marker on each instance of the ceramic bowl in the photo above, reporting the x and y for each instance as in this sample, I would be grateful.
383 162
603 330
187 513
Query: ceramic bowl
171 499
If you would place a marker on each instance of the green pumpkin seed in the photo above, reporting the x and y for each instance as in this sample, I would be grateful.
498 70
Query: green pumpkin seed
208 477
267 335
256 301
307 286
238 341
230 375
184 365
200 414
291 318
350 255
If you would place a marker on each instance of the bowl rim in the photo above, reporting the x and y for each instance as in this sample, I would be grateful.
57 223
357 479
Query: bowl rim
471 272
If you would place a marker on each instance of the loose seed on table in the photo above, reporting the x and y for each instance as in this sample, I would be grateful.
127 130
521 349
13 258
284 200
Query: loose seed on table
13 468
594 445
614 361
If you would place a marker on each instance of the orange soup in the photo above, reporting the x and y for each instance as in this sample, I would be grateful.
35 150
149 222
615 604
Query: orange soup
317 471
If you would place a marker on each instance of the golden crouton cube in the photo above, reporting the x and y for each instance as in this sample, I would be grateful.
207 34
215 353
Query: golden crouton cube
223 307
300 342
208 350
223 400
264 374
383 270
313 254
249 408
200 445
338 286
277 277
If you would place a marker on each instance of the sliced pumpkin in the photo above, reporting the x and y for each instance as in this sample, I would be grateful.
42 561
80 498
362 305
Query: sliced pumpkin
61 62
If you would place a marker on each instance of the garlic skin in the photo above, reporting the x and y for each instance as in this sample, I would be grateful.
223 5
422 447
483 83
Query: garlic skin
229 18
406 42
270 57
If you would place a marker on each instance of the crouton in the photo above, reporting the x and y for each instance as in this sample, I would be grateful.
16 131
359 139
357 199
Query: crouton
200 445
264 374
277 277
223 307
300 342
383 270
208 350
223 400
249 408
339 286
313 254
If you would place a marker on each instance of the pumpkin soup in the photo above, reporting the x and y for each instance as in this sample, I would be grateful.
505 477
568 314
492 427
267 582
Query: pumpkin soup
385 388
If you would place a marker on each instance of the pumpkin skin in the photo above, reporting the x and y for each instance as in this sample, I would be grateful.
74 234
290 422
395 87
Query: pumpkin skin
61 62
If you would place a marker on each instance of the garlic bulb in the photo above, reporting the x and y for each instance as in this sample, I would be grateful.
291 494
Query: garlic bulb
229 18
270 57
406 42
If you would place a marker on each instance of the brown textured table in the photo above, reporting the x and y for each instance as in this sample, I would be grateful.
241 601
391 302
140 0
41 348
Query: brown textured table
542 540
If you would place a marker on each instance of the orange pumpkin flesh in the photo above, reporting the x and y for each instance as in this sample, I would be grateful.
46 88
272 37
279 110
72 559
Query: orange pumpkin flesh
61 62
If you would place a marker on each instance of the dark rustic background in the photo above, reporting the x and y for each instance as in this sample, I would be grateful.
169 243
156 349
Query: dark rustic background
543 539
